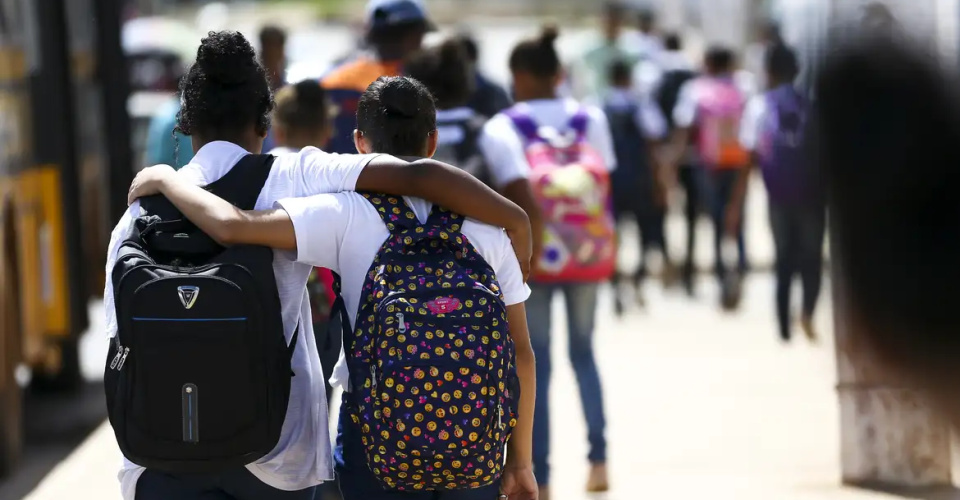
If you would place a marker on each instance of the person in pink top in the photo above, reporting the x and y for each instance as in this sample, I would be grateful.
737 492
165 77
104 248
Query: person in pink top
709 109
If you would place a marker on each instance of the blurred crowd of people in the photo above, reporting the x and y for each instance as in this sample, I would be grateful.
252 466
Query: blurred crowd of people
643 113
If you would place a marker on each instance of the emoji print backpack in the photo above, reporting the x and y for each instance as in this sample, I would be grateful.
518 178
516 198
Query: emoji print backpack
571 182
435 389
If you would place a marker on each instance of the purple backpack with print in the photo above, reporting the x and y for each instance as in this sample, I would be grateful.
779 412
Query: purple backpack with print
782 160
435 388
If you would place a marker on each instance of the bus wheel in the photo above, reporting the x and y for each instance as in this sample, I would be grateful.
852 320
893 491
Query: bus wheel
68 378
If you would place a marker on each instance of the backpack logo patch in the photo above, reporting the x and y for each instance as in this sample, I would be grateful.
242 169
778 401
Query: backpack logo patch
188 295
443 305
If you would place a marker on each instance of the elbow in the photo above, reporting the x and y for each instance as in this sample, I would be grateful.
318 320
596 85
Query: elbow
226 232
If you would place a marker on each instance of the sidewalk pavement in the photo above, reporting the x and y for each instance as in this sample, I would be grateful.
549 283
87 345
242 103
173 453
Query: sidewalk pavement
700 405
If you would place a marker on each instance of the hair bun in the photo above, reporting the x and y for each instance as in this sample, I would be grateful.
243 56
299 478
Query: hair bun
549 34
226 57
399 98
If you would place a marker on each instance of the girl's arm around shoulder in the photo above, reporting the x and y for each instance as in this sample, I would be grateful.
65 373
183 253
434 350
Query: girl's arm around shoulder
313 226
438 182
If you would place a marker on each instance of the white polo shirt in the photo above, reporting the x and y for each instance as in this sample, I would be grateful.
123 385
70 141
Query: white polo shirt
303 457
343 232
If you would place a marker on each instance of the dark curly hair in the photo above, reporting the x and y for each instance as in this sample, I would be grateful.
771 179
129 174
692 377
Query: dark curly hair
225 91
445 70
396 114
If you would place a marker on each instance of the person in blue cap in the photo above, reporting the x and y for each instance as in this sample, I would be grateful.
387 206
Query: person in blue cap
394 30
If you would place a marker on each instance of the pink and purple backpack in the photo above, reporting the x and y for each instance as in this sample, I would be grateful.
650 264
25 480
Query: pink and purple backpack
719 111
571 182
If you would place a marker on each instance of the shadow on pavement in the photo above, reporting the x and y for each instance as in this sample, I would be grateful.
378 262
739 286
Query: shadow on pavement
932 493
55 425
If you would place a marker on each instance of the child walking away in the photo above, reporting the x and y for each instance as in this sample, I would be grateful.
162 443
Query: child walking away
213 381
676 71
438 371
445 71
713 104
637 126
773 130
552 156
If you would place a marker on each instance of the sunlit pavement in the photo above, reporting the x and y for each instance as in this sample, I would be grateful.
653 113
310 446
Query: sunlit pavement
699 403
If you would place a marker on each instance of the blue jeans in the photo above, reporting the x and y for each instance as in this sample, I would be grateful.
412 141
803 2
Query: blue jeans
235 485
357 482
719 190
798 232
581 305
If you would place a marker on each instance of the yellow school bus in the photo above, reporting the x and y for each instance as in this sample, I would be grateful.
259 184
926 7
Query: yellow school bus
65 163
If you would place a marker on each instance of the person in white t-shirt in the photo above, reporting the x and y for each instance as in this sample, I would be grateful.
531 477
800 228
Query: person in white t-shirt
344 232
226 112
536 71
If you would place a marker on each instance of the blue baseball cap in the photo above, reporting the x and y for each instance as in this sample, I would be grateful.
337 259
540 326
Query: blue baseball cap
388 13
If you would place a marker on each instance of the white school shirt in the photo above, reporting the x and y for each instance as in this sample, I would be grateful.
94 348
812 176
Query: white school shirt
753 117
303 457
343 232
504 148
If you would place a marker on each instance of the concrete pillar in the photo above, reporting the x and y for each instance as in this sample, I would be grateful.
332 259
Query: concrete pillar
889 439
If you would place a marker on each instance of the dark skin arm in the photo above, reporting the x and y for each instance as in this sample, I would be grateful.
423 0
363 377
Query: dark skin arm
438 182
738 197
450 187
675 149
521 193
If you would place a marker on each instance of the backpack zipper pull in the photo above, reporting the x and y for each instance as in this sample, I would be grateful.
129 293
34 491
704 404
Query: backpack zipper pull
116 358
499 417
373 378
403 325
123 359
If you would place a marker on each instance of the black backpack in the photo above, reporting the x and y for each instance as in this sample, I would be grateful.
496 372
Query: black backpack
669 91
465 153
198 377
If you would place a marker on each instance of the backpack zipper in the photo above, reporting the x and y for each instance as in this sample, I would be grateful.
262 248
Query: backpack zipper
403 326
500 417
373 378
116 358
123 359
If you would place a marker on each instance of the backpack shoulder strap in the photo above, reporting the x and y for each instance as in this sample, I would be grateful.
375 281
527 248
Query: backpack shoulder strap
579 123
445 219
393 211
243 183
521 119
